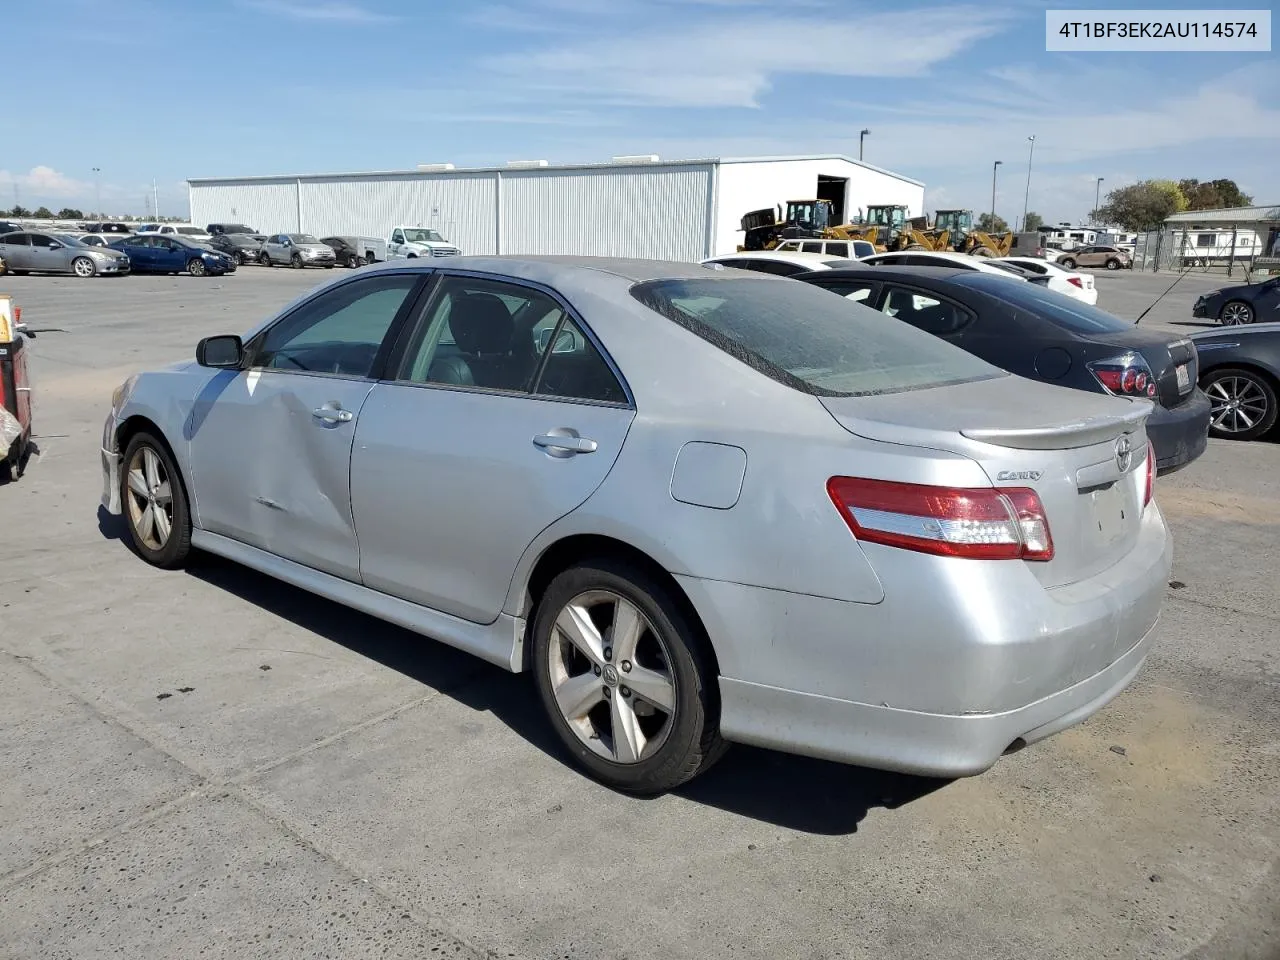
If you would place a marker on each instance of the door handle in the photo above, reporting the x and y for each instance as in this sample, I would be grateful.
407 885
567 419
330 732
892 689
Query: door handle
332 414
564 444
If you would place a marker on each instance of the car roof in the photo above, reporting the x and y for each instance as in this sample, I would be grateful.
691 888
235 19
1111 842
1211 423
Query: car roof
786 256
943 275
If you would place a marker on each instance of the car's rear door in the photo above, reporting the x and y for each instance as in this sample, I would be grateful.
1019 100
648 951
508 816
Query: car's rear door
16 250
479 441
270 445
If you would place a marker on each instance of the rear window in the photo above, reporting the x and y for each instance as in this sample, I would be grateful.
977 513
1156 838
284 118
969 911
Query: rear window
802 336
1057 308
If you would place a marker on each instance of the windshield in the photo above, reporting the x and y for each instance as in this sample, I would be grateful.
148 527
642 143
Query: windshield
417 235
808 339
237 228
1064 311
302 238
191 232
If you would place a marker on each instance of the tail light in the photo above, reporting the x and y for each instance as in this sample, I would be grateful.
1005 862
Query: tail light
1125 376
1151 475
1076 282
978 523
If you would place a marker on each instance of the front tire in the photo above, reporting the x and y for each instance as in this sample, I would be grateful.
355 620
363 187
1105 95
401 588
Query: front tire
625 678
195 267
154 501
296 261
1068 263
265 260
1235 312
83 267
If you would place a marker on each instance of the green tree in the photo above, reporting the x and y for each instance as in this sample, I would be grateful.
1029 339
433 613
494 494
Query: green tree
19 211
1213 194
985 223
70 213
1141 206
1034 221
43 213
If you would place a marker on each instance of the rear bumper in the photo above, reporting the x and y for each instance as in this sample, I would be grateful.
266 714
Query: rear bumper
1179 434
959 661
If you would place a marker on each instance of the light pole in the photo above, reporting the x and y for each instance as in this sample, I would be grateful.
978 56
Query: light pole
97 191
994 167
1097 192
1027 199
861 136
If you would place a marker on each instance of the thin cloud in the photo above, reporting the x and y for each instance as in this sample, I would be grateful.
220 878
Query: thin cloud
714 63
337 11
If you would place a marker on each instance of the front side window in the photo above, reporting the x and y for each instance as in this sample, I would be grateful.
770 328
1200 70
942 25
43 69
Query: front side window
40 240
339 332
809 340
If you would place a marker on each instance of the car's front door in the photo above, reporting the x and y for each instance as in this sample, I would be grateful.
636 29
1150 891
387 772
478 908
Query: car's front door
476 445
1089 257
271 444
47 255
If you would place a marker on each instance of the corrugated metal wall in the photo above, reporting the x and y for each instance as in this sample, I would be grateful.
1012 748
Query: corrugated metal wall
460 206
270 205
653 212
659 211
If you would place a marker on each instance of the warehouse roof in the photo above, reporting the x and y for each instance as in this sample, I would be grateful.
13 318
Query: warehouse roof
1229 216
440 170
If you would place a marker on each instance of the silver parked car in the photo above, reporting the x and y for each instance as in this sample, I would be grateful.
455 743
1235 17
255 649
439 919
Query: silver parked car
698 506
296 249
29 252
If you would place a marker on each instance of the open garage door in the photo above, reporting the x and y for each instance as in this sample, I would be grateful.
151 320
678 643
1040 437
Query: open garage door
834 189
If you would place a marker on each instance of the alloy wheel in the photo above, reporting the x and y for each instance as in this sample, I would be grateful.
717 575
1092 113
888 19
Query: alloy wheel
83 267
1236 313
1237 404
150 499
196 268
611 677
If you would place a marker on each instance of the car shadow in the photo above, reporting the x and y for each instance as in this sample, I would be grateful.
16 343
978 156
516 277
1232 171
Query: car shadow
798 793
111 525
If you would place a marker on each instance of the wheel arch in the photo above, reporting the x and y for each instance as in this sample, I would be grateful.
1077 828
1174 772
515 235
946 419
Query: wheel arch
1271 376
136 423
578 547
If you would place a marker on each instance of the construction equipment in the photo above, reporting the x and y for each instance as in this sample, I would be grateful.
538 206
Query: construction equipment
804 218
953 230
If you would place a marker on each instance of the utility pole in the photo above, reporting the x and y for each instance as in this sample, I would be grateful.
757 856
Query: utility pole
1097 193
1027 199
155 200
994 167
97 191
861 136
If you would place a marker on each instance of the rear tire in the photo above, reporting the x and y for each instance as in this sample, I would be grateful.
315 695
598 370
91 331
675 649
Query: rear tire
625 738
1113 264
154 502
1244 405
241 260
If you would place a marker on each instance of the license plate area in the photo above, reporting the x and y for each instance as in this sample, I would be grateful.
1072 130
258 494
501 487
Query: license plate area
1113 515
1184 378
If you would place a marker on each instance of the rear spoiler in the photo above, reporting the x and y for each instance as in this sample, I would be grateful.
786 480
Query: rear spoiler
1081 433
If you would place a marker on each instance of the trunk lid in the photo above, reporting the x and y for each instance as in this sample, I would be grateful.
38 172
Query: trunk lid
1164 355
1067 445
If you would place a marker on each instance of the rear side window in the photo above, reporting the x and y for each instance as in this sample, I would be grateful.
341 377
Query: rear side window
924 312
802 336
1058 309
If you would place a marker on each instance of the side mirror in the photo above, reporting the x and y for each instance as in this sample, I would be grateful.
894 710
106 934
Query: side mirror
55 246
224 352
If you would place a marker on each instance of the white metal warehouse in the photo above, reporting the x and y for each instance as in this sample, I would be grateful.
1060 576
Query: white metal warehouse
633 207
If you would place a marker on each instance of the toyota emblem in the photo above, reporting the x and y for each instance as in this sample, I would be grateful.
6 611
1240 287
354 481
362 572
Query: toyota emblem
1124 454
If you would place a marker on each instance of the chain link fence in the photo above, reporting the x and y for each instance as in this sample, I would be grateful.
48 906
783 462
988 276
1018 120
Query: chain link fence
1181 250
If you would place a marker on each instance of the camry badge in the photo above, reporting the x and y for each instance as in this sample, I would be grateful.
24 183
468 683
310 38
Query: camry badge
1019 475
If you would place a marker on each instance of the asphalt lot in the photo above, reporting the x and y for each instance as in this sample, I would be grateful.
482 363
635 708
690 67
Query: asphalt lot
212 763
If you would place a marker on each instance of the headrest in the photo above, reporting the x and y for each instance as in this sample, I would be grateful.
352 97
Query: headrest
481 324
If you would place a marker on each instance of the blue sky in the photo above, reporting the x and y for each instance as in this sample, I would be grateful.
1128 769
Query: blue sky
157 89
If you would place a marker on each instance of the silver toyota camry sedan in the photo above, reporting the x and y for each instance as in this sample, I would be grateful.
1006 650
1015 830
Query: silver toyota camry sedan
697 506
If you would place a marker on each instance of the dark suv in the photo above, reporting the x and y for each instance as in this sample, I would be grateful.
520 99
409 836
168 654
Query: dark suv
220 229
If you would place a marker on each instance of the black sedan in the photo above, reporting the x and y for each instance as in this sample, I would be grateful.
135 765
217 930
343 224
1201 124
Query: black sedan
1042 335
1244 303
241 247
1240 373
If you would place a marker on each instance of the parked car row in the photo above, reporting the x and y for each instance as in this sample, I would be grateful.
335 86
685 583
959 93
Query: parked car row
788 513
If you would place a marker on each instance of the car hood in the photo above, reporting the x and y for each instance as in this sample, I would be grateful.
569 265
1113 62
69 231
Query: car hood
318 247
1240 290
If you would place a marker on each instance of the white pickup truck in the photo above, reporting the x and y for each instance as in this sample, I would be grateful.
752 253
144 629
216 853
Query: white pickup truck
410 242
